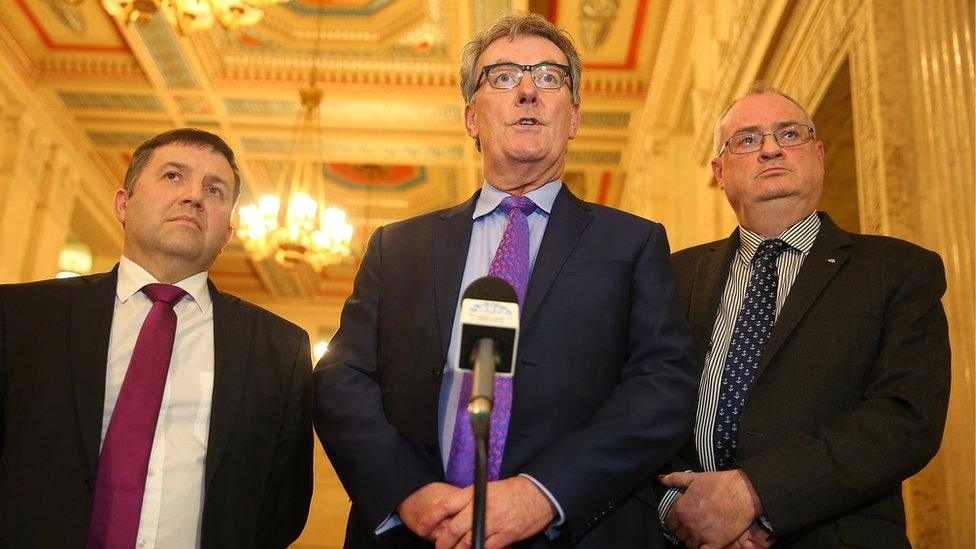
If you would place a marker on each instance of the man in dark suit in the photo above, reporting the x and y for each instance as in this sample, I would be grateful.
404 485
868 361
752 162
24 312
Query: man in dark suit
603 385
825 356
108 439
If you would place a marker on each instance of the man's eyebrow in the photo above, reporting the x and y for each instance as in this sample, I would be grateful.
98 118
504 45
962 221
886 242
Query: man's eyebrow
217 178
175 164
543 62
759 129
213 177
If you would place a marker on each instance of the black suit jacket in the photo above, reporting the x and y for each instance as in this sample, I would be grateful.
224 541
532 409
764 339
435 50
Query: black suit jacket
851 393
604 386
54 338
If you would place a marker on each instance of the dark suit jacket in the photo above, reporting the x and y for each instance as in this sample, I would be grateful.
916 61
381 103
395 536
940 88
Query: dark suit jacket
54 338
604 384
851 393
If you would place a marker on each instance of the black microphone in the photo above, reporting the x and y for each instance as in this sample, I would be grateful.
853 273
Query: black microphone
489 340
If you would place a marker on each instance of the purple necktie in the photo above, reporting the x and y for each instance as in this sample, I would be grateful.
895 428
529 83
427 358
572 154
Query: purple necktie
511 263
124 460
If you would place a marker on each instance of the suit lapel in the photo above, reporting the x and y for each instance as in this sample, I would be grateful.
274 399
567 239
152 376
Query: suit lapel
92 306
830 251
232 331
567 220
711 275
452 236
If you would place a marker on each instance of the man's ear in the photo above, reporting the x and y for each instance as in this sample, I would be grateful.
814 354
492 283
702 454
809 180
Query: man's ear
717 172
230 233
470 125
574 120
121 203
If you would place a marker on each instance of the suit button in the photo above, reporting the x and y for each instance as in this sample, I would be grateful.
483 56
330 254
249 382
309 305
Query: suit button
436 373
88 486
430 449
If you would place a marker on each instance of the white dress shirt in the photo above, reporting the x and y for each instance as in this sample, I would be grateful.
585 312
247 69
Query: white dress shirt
172 505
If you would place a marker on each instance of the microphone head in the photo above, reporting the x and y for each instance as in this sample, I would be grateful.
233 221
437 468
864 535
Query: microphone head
491 288
489 309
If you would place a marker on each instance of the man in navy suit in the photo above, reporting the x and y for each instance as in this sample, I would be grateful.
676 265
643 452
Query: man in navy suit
604 386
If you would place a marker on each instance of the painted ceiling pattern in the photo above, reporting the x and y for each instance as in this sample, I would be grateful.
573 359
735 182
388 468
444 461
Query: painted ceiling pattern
393 142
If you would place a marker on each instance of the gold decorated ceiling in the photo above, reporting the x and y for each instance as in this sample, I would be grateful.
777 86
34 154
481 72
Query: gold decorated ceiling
394 144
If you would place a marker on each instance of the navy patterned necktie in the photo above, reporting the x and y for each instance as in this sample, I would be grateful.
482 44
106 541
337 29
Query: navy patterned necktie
750 333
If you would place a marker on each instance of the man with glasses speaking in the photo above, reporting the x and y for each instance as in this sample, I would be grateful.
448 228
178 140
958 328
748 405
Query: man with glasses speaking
825 356
604 388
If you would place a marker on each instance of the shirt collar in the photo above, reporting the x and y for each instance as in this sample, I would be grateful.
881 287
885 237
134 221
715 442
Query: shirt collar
799 236
132 277
490 198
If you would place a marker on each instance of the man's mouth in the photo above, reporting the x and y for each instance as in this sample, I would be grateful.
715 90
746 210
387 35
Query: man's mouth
187 219
527 122
773 170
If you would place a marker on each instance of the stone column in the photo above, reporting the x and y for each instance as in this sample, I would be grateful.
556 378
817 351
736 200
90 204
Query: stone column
939 95
52 218
21 171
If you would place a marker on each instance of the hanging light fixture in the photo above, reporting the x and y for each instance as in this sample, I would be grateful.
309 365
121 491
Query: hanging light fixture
190 15
294 225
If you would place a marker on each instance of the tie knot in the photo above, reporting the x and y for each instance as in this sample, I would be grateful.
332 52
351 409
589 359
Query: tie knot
769 250
164 292
523 203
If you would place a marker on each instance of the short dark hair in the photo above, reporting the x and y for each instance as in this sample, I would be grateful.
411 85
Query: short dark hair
182 136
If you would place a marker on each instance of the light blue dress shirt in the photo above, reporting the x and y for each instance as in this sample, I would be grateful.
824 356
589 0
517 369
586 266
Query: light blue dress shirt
486 233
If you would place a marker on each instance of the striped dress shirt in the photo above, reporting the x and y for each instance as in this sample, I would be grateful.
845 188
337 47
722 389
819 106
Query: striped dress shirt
799 238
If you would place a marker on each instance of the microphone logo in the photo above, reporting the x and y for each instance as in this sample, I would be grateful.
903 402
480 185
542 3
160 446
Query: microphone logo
492 309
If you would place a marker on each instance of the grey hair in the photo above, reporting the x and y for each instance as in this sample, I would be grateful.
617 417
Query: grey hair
522 24
756 88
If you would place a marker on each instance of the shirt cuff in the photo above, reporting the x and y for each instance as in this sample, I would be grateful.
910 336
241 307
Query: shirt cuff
662 511
552 531
390 523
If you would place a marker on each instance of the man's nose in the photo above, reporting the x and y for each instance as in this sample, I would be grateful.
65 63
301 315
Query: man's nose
527 91
192 194
769 147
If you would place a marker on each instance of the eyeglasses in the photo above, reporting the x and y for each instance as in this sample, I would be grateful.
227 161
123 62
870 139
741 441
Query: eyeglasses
788 136
505 76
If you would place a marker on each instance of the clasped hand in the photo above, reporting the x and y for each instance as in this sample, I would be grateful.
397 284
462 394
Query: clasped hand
441 513
717 509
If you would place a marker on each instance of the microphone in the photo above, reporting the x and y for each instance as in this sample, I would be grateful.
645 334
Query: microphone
489 339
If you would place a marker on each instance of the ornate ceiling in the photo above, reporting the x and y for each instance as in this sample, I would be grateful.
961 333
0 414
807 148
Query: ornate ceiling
393 141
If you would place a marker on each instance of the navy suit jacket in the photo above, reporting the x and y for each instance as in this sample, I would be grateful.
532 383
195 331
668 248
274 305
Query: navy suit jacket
54 339
604 387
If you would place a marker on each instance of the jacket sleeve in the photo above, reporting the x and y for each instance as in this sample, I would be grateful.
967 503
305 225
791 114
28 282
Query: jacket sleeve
378 467
289 492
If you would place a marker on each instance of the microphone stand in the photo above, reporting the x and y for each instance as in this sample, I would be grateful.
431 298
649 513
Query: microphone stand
480 409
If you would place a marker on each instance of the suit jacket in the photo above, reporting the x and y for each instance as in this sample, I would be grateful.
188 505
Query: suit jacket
54 338
603 389
851 392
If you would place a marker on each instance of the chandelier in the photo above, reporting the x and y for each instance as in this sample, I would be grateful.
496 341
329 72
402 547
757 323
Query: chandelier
293 225
190 15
